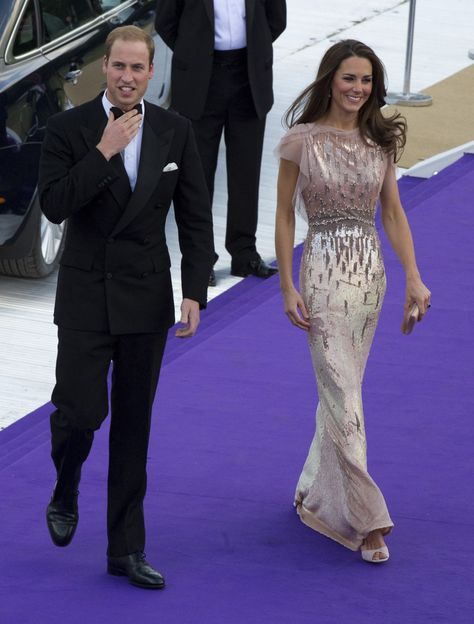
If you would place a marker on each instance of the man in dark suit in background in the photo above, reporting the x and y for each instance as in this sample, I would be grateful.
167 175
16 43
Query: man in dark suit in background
221 79
112 171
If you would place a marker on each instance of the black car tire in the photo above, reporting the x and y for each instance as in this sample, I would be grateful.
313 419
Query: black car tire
45 252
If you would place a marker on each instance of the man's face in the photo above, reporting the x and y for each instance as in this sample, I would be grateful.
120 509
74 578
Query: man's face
128 71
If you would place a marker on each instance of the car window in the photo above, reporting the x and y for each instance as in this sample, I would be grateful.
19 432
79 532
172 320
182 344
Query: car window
107 5
61 16
26 38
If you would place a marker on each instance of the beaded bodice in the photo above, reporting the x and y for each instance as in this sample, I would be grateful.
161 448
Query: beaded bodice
341 174
346 176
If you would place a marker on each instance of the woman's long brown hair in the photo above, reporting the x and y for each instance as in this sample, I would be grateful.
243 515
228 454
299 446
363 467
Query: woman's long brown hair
313 103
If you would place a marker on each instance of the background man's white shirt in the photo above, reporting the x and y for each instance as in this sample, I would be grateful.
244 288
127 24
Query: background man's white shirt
229 25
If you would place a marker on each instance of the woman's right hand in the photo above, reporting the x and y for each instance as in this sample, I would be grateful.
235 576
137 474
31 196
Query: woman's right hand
295 309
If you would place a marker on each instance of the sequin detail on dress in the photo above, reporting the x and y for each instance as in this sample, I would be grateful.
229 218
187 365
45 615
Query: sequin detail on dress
342 281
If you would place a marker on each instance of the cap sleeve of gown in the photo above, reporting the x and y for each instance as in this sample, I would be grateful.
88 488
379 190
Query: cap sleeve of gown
293 147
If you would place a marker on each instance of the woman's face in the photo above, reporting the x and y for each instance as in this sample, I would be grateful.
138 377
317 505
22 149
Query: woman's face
351 85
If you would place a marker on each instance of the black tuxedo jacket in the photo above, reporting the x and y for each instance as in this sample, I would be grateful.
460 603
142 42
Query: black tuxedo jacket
187 27
114 274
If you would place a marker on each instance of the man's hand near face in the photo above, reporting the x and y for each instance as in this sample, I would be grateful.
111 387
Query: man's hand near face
118 133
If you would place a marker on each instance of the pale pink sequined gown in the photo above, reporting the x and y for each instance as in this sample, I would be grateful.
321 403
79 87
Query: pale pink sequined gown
342 281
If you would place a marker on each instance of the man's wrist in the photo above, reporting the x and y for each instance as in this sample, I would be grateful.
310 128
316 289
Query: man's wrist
105 153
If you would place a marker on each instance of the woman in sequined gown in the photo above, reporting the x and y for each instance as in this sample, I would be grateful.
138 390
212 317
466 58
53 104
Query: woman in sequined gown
336 160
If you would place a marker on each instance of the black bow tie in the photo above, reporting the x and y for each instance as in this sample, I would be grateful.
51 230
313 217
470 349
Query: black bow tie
119 112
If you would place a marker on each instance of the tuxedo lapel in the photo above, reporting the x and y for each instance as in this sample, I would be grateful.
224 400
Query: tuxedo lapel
249 12
92 132
120 188
153 157
209 6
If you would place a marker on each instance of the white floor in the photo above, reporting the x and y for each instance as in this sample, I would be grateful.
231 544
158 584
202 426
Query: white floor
443 35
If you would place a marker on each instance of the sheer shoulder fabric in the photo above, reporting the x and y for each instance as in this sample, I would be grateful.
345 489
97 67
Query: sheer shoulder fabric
296 146
293 147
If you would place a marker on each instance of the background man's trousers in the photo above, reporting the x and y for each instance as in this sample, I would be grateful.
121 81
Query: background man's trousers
229 108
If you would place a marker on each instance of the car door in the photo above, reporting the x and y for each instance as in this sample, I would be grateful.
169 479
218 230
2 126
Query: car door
77 54
25 105
73 38
51 55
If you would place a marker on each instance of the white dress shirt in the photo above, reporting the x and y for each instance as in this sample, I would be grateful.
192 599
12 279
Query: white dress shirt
229 25
131 154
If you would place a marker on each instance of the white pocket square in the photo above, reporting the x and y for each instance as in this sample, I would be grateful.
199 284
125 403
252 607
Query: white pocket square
170 167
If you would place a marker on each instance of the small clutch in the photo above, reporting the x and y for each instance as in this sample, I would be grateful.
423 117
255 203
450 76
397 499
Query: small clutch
410 319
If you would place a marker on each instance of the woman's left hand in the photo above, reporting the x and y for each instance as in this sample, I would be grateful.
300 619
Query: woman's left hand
417 292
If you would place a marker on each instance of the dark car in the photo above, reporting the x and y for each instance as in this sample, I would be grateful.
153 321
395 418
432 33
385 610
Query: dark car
51 55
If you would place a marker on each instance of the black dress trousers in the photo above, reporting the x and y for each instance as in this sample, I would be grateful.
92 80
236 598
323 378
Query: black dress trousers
81 400
230 109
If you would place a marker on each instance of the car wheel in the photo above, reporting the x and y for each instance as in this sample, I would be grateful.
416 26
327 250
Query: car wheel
46 249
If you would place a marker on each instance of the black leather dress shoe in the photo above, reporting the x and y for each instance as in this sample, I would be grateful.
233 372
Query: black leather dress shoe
212 278
254 267
138 570
62 517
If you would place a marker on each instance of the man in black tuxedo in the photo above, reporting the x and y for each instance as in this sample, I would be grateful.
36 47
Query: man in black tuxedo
221 79
111 167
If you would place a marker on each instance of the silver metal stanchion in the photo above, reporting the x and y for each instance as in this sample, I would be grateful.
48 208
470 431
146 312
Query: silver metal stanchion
406 98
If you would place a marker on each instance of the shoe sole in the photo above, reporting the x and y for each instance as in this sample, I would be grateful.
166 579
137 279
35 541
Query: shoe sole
146 586
236 274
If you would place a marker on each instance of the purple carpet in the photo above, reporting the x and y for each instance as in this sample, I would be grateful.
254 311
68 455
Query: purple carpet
232 425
